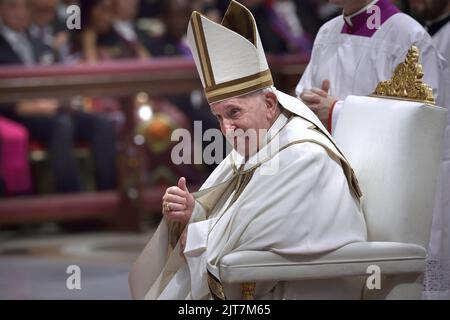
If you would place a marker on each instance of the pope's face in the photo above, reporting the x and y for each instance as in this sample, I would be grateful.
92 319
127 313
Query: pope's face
244 120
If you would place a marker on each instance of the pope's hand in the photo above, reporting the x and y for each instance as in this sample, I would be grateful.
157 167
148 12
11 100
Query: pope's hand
319 101
178 203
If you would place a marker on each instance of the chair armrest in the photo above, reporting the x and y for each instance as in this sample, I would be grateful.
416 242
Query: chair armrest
349 260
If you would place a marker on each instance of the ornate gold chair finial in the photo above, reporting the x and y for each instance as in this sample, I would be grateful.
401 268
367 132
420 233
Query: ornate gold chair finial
406 82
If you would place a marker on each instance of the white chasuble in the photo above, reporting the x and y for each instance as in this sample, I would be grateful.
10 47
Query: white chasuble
296 196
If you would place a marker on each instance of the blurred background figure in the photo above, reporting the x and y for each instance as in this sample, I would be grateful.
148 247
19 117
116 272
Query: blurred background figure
16 44
107 34
314 13
98 40
48 27
150 8
403 5
209 8
279 26
126 24
350 57
435 15
61 10
49 122
175 16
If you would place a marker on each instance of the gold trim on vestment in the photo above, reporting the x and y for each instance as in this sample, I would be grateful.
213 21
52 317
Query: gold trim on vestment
265 75
175 229
334 154
242 86
215 287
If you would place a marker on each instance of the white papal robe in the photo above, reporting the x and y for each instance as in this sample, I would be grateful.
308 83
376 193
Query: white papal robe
293 198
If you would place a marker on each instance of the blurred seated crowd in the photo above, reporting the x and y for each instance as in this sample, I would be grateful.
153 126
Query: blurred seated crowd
34 32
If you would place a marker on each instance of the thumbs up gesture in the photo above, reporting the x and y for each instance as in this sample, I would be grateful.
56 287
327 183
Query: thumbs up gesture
178 203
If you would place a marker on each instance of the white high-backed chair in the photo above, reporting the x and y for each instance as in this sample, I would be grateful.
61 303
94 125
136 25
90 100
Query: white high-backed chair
394 146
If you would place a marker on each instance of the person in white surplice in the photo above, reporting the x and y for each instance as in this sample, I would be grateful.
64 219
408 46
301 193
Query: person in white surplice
355 51
292 194
436 15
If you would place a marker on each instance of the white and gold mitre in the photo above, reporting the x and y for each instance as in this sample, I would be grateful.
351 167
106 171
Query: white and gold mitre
229 56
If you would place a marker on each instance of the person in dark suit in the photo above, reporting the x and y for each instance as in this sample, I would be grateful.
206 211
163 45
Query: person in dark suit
99 40
48 27
126 25
46 120
17 46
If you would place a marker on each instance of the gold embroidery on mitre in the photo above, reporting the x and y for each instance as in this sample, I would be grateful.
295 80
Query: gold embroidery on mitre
406 82
239 86
202 49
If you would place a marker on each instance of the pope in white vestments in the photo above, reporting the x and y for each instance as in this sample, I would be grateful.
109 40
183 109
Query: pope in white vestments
296 194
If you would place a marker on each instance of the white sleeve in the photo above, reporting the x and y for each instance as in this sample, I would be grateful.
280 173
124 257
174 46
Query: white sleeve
305 81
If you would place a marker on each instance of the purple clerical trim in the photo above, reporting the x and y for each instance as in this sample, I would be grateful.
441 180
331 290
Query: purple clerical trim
363 23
